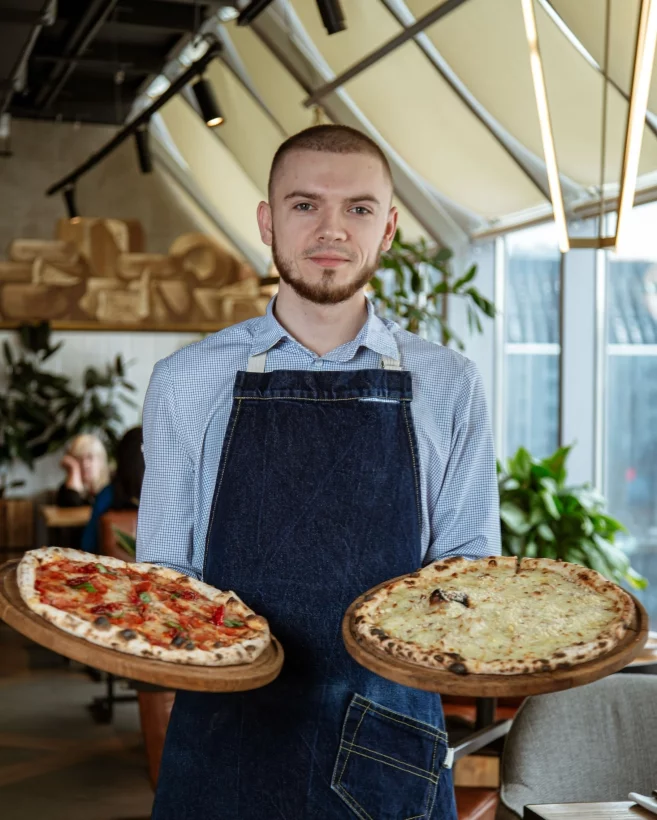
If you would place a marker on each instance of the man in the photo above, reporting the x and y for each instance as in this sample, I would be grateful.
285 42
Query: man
283 463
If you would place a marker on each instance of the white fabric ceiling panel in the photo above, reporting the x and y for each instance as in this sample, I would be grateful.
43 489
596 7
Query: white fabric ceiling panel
420 116
279 90
217 173
496 69
586 20
248 132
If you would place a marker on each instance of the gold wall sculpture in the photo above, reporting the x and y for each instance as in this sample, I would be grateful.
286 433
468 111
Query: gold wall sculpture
95 275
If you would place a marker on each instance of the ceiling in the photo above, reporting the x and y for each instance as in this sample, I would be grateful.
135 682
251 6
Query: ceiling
88 61
444 86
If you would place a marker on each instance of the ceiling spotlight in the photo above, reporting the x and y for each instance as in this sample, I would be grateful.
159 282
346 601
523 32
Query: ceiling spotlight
207 102
248 14
142 141
69 198
332 15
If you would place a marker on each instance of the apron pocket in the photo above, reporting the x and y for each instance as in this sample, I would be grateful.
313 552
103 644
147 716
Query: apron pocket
388 764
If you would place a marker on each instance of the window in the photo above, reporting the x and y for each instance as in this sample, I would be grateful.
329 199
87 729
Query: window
532 341
631 396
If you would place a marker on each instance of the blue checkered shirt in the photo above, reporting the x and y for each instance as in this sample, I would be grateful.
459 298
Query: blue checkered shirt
188 405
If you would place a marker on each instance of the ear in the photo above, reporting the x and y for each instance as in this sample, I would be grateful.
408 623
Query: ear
265 223
391 229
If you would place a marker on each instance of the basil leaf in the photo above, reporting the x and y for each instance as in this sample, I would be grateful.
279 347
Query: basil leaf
231 622
172 625
86 586
145 597
101 568
175 595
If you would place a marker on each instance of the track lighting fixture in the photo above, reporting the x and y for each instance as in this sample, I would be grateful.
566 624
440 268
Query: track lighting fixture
142 141
332 15
207 102
69 198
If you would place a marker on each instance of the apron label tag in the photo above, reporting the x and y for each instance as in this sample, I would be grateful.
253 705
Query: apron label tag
449 758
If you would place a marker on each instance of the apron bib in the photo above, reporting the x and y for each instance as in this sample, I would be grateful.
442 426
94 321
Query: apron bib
317 499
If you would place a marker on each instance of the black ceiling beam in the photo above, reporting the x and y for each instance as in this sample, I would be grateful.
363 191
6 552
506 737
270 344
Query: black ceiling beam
44 17
84 32
141 66
176 86
175 17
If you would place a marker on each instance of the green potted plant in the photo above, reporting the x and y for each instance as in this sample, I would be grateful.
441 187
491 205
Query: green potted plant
40 410
543 517
415 283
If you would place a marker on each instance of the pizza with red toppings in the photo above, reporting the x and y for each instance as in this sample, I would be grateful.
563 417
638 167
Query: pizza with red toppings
140 609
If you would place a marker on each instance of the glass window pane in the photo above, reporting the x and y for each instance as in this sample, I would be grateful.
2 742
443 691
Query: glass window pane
532 334
631 396
532 414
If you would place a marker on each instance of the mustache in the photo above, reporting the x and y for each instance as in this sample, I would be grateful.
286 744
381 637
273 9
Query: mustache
325 250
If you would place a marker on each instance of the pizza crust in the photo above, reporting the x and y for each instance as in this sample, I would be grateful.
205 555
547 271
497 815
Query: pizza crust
378 608
110 637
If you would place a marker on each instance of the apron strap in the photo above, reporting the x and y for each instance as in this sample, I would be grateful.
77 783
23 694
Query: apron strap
257 363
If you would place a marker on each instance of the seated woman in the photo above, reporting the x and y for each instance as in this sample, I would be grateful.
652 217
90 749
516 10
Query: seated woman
123 492
87 471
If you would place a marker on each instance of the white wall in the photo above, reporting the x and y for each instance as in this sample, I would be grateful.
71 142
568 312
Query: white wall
82 350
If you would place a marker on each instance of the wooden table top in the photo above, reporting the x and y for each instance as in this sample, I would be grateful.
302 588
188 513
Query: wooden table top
587 811
65 516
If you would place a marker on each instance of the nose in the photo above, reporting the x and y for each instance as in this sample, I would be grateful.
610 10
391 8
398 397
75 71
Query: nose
331 227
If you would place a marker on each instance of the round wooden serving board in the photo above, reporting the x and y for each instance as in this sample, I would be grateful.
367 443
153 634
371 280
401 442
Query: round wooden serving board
238 678
492 686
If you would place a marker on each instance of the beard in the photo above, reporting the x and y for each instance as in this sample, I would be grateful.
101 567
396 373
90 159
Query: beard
326 291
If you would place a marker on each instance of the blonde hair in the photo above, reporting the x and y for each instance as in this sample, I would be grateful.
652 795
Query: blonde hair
89 444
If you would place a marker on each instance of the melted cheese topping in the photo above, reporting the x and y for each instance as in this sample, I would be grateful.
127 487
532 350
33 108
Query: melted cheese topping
165 612
510 617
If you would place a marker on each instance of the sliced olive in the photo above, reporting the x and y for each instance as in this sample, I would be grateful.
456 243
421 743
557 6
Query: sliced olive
179 640
127 634
102 621
189 645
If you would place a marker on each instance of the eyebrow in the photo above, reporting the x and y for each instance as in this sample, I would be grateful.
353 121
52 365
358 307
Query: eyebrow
319 197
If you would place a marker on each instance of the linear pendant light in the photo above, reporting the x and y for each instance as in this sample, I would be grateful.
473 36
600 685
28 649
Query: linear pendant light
547 136
643 63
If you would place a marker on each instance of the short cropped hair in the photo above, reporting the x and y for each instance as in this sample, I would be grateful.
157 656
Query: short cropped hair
330 139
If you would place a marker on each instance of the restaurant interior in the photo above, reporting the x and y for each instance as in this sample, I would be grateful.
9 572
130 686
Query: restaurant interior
135 145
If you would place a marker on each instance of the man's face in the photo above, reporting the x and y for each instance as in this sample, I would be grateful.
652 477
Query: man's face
328 221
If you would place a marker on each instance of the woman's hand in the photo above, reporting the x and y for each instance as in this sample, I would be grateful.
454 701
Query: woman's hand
73 474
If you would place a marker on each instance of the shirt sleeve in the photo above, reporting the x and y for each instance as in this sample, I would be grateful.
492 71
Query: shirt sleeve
165 525
465 519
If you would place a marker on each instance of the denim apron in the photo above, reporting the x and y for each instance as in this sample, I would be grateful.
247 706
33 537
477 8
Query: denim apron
316 500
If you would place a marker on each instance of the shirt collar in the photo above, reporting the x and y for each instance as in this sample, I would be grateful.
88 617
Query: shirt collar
374 334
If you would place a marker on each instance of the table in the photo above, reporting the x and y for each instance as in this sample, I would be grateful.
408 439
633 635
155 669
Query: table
65 516
587 811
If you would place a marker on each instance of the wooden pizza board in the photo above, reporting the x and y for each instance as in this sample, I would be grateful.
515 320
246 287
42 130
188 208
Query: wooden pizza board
492 686
15 612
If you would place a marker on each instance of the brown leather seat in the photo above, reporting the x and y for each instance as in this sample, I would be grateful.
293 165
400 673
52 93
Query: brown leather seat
476 803
124 520
154 707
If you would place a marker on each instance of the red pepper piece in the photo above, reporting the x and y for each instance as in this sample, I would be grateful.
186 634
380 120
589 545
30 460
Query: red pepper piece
218 615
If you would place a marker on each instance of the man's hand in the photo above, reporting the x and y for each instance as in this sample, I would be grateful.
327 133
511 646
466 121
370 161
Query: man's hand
73 474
